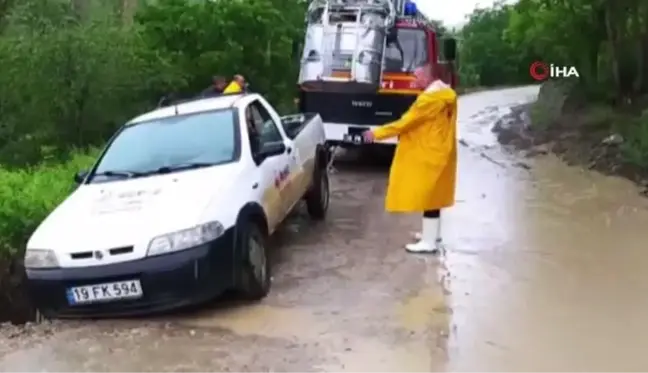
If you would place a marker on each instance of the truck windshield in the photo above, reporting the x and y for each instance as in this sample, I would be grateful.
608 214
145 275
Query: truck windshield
407 52
170 144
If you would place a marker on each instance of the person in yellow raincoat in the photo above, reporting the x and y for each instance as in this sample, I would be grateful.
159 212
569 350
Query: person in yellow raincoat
237 85
423 172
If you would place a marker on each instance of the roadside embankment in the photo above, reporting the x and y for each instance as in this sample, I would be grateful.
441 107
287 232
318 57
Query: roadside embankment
27 196
605 138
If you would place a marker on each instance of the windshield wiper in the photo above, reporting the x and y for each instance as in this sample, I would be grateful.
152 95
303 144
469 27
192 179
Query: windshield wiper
180 167
119 173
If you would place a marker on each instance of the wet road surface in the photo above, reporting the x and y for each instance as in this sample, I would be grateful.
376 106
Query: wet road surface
544 270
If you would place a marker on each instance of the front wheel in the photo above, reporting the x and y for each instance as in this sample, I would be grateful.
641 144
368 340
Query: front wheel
42 316
256 278
318 196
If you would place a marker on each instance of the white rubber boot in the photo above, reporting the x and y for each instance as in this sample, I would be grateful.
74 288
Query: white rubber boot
430 237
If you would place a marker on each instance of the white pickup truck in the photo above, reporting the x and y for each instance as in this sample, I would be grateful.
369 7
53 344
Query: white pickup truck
178 209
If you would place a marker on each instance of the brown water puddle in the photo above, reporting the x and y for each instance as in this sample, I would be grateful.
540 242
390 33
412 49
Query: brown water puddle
548 270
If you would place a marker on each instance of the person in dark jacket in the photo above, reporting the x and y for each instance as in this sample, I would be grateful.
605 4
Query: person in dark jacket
218 86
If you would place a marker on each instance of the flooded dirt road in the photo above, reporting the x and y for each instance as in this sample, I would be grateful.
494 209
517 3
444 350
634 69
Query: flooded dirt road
547 264
544 270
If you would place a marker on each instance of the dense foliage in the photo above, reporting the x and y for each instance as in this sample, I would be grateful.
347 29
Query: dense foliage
606 41
75 70
28 194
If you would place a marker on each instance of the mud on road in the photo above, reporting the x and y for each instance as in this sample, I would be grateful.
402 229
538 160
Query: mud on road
345 296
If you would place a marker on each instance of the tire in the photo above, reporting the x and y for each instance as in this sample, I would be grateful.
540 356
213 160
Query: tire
318 196
43 316
255 275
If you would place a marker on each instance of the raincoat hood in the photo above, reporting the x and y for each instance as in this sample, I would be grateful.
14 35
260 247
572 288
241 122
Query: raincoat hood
233 87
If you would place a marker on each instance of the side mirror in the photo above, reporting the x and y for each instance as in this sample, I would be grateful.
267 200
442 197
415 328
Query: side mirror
80 176
450 49
269 150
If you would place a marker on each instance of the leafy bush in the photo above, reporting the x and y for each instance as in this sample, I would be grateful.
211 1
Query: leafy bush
255 38
71 76
635 146
29 194
71 87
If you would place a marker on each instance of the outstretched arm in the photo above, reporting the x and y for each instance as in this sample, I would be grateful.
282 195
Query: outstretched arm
415 116
409 120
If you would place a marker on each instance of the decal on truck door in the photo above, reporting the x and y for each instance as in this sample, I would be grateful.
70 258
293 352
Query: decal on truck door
272 206
282 176
273 168
277 196
302 164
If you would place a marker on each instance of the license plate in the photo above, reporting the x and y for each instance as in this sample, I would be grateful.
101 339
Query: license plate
353 138
107 292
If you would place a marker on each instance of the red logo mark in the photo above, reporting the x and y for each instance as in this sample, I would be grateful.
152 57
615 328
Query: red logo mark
539 71
282 176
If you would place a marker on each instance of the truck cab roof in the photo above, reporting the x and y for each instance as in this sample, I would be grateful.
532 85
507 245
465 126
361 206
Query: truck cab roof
192 106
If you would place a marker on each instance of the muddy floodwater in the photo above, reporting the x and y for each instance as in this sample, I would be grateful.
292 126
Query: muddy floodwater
544 270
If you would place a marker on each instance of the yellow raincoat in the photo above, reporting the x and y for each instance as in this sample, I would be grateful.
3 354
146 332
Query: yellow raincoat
233 87
423 173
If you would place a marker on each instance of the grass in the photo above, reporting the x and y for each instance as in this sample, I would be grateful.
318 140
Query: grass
27 196
634 149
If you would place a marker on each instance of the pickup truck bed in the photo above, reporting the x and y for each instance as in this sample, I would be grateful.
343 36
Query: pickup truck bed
295 123
306 132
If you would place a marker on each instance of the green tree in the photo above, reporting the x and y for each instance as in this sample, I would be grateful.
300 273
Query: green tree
254 38
73 71
607 42
487 55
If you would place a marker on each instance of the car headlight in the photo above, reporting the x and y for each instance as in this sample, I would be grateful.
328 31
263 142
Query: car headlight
185 239
40 258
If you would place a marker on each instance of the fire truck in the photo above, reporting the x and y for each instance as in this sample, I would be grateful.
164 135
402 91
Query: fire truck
358 61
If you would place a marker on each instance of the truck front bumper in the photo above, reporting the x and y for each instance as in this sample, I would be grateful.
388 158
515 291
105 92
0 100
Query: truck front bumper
168 281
